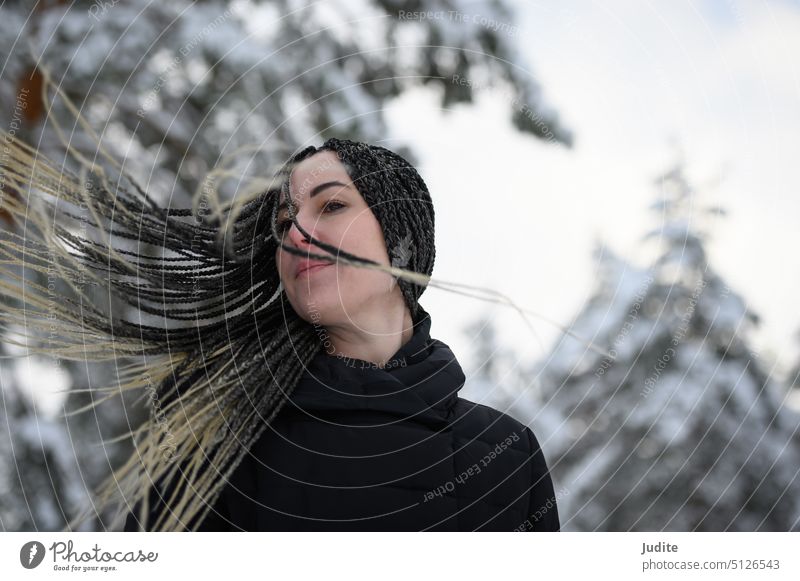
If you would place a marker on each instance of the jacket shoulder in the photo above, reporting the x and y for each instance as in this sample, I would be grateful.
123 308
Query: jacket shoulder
479 422
488 424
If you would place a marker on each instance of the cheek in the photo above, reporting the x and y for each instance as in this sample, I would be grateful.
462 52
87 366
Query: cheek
364 238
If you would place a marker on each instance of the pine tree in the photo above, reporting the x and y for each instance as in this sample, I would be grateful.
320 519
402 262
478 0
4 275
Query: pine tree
681 429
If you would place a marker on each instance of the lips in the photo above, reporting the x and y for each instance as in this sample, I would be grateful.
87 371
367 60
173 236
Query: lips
310 266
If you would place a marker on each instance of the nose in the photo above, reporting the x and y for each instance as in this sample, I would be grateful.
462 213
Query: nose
296 238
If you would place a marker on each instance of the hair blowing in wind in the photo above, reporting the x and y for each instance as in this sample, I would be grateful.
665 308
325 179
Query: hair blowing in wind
216 348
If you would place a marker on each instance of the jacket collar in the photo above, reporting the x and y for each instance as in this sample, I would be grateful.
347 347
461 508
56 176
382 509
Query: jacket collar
421 379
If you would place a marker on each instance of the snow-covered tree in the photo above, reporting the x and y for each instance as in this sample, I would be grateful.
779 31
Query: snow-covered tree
679 427
40 483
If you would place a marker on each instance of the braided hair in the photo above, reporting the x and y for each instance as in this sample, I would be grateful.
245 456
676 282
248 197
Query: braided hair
217 348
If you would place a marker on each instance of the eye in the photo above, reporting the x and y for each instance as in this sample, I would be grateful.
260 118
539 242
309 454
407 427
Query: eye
330 206
333 205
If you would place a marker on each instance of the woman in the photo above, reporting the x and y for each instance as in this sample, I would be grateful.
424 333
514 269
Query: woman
374 436
301 389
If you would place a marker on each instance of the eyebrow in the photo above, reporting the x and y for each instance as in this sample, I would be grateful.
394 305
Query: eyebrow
317 189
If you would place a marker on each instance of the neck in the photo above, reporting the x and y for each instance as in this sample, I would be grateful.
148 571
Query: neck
372 336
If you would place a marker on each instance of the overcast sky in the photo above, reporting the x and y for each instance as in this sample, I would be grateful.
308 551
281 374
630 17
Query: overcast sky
631 79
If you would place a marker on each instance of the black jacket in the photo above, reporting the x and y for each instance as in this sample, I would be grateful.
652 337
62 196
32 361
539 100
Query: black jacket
358 448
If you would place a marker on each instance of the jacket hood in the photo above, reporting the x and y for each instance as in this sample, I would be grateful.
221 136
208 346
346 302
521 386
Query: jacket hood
420 381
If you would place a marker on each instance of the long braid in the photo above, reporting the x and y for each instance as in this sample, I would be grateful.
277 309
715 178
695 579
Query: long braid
196 372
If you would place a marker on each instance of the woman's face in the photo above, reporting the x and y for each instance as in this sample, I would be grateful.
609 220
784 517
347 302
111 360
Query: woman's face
330 208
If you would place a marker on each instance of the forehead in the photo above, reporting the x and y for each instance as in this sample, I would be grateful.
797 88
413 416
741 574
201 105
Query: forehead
321 167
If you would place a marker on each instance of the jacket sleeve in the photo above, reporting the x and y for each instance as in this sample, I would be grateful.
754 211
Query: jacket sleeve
542 508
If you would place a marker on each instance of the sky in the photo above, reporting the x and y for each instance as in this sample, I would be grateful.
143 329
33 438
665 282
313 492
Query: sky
636 82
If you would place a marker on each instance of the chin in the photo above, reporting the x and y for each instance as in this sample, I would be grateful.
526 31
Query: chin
318 308
337 302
